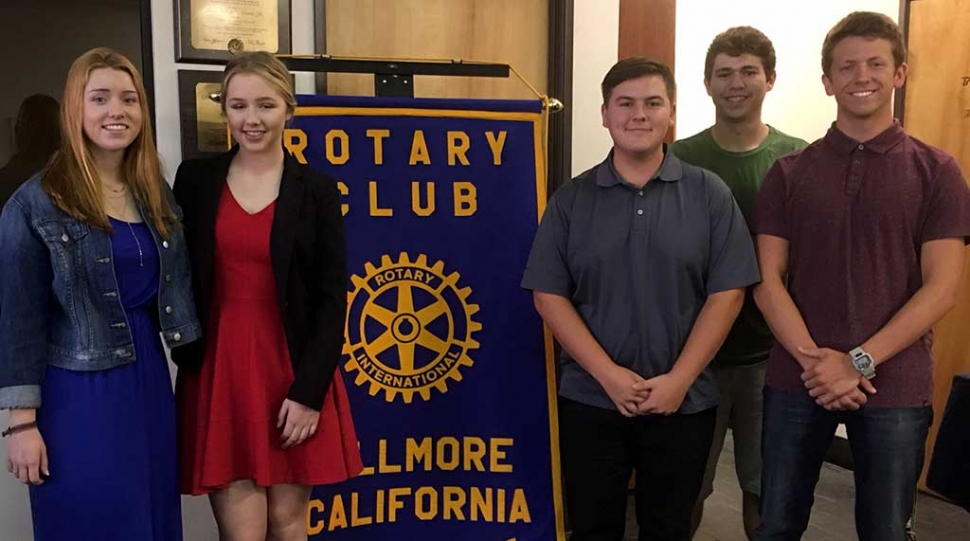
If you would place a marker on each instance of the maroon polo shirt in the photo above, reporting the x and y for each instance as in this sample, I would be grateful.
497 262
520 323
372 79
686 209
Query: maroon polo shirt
856 216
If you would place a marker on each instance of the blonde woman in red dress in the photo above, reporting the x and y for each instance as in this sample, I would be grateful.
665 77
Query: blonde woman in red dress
264 414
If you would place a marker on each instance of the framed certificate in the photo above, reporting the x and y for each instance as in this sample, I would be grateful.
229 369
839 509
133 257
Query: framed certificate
203 128
209 31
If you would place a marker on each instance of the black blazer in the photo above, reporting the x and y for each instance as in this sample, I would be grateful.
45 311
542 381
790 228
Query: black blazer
309 257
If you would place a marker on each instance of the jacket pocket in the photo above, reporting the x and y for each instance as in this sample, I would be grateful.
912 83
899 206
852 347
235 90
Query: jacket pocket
65 239
63 235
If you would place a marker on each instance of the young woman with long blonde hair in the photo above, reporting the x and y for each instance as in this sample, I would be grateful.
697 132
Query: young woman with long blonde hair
95 271
264 413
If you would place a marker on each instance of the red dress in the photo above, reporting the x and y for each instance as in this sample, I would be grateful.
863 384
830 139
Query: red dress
228 411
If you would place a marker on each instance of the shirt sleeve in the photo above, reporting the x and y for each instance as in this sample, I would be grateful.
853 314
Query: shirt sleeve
732 263
326 300
547 269
25 294
770 217
947 213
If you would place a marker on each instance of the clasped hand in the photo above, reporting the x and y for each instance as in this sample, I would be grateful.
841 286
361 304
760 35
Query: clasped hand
833 382
633 395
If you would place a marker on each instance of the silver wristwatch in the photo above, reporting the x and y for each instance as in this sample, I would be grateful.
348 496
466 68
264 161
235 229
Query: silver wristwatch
863 363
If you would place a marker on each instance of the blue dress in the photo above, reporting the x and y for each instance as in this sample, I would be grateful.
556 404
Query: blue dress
110 434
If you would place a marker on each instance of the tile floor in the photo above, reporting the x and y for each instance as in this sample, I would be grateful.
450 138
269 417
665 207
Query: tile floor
832 515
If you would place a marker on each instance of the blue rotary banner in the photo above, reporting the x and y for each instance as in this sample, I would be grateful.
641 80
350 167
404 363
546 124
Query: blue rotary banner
449 370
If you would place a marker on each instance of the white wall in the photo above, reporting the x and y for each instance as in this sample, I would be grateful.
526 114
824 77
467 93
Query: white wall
797 104
166 86
14 505
596 29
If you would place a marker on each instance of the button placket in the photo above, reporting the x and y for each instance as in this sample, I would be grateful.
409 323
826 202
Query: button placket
853 182
638 221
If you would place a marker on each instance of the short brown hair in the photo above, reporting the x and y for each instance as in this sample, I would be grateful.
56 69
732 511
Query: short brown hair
634 68
865 24
266 66
741 40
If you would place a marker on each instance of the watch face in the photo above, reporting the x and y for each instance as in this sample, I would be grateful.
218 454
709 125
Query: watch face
863 363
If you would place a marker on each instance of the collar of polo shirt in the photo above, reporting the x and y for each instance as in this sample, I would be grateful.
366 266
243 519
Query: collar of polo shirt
671 170
879 144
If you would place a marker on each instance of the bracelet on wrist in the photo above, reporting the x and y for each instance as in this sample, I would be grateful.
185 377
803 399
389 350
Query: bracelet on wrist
23 427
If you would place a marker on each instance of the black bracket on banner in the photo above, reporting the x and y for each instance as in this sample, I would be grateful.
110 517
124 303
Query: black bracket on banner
394 78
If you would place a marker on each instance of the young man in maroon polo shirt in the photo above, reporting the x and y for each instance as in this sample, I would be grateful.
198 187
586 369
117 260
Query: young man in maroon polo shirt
861 241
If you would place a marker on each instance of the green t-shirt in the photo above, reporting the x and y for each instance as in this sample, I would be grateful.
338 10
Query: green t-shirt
750 340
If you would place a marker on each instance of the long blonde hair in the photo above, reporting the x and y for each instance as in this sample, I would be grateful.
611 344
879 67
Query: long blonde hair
72 179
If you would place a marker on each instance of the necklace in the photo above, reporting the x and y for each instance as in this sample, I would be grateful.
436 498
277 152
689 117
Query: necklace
115 190
141 255
119 193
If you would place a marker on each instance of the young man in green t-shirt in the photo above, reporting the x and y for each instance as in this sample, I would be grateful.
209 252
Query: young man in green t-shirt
738 73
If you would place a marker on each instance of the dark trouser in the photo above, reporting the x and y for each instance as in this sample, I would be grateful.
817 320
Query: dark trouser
887 452
599 449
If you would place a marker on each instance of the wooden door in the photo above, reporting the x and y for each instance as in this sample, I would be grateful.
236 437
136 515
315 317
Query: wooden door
937 110
512 32
647 29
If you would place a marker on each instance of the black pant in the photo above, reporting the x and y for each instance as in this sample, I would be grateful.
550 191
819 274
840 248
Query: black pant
599 449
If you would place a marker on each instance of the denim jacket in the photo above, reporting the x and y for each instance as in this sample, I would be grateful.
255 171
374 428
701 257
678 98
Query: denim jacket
59 300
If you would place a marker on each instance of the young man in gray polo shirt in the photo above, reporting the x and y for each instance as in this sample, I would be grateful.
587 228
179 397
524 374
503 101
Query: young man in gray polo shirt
639 268
738 73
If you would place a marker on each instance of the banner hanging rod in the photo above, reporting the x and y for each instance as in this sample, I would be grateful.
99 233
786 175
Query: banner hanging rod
394 77
453 68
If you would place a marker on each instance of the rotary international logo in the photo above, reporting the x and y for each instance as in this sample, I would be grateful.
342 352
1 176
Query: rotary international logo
409 328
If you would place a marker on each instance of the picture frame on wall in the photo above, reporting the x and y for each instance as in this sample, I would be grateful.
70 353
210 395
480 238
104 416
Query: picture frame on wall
210 31
203 128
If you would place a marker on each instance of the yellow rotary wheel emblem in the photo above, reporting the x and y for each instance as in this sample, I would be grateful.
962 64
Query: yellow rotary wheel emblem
409 328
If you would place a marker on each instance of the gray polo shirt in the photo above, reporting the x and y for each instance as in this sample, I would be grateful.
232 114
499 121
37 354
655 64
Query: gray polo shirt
639 264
